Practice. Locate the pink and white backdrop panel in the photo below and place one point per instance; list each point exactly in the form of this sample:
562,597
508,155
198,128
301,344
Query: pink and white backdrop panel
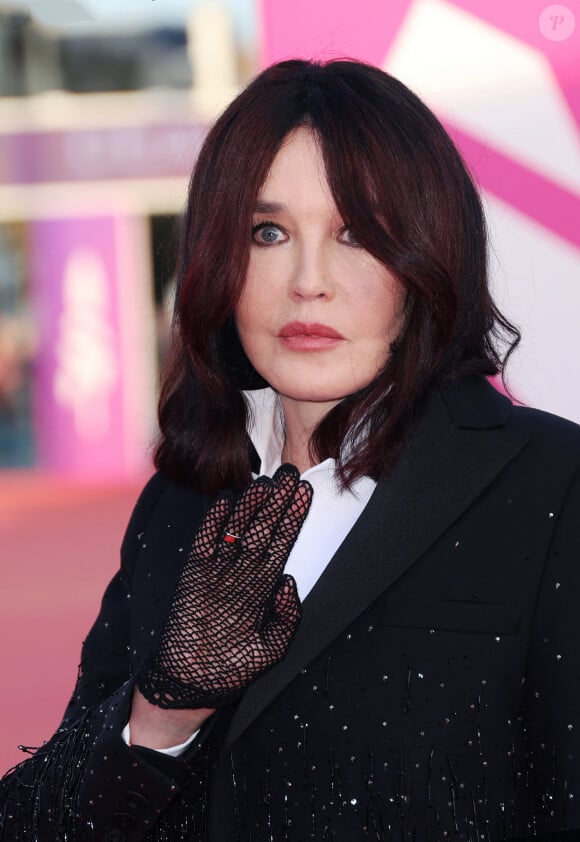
504,78
94,389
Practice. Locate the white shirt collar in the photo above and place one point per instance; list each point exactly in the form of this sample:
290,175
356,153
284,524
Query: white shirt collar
333,511
266,427
266,430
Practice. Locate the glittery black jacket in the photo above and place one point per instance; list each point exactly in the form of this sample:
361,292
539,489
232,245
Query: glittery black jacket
432,691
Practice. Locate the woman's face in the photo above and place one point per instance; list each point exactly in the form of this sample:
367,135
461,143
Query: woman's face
317,312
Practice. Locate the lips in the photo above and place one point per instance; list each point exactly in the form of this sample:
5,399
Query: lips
309,336
309,329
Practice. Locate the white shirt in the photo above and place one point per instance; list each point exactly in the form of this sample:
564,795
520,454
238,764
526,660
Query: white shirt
333,511
332,514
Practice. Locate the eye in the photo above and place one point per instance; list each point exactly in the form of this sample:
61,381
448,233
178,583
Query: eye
347,235
268,234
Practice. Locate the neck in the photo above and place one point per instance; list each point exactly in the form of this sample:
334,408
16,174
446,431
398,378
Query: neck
300,419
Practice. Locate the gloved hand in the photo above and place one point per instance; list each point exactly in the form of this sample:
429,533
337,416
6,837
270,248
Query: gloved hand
233,613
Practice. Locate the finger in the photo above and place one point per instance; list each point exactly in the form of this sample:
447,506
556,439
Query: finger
262,566
286,472
244,510
264,524
283,621
289,527
205,540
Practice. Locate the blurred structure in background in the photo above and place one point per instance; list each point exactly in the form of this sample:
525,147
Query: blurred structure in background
16,352
101,117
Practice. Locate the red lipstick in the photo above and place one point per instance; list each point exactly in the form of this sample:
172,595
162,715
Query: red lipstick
309,336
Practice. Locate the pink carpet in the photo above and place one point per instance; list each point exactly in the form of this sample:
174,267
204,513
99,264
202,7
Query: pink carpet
59,546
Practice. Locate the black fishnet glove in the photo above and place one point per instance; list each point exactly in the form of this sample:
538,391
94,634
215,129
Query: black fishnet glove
234,613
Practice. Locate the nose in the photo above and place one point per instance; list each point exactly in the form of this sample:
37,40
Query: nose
311,276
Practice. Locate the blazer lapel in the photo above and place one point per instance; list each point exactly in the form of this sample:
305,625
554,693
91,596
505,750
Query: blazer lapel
458,447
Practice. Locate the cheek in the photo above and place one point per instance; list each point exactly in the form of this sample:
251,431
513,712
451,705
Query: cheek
377,299
395,316
247,311
254,302
380,317
251,315
394,305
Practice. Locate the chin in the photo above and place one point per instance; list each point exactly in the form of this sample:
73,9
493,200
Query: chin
310,394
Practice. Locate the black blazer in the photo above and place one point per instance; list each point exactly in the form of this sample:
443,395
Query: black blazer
432,691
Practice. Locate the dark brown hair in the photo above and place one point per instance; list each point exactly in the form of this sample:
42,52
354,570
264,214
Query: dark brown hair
399,181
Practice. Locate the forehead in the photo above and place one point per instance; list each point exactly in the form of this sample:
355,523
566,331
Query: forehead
297,171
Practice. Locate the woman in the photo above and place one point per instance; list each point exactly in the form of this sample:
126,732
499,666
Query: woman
376,638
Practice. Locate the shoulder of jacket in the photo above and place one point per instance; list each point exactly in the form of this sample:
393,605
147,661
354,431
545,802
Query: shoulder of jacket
554,440
159,494
544,424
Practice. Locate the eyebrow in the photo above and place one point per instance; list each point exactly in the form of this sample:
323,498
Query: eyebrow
269,207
